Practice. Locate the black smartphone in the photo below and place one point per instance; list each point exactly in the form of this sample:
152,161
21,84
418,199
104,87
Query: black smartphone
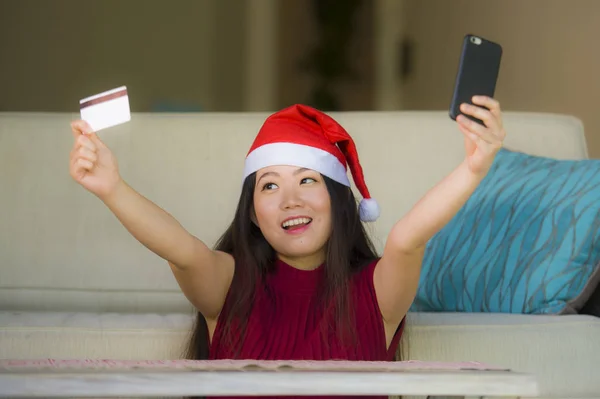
478,70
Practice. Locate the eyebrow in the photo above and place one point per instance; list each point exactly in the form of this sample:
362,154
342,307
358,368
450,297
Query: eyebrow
297,171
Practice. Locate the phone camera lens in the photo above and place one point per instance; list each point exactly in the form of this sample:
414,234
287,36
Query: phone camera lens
475,40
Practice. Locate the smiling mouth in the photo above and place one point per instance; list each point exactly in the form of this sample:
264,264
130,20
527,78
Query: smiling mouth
295,223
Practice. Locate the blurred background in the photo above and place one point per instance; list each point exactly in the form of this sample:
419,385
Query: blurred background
263,55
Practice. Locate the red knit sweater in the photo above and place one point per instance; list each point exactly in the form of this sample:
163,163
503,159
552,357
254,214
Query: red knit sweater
285,321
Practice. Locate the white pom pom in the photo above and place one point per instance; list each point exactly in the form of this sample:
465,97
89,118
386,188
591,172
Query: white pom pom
368,210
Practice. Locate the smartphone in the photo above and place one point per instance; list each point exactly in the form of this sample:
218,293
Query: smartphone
478,69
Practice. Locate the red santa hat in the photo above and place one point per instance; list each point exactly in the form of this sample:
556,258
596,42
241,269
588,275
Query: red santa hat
305,137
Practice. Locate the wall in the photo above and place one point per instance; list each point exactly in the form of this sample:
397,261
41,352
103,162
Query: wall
297,37
196,52
550,63
57,52
388,34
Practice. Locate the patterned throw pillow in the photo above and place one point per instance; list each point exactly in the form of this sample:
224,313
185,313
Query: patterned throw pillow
527,241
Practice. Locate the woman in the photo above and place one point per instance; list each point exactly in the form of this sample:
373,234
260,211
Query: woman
295,275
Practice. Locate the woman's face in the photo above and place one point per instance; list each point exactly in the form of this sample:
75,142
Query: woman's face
293,211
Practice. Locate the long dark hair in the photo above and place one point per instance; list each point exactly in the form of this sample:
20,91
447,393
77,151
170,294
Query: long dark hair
349,249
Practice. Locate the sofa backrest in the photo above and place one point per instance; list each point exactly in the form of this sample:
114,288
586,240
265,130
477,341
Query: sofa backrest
61,249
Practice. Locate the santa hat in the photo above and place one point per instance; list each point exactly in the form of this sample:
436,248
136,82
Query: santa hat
305,137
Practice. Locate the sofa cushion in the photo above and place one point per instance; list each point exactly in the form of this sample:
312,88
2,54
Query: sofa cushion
562,351
527,241
83,335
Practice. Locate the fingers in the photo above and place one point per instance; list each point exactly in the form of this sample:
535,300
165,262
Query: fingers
83,164
82,130
480,113
96,140
80,166
85,141
491,104
492,132
87,154
488,102
80,127
472,136
83,155
475,128
85,149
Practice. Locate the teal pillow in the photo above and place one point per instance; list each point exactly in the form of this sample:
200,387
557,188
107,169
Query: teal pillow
527,241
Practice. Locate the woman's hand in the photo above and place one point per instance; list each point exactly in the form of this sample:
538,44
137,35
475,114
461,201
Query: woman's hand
481,142
92,164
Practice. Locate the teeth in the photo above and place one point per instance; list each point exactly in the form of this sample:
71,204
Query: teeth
295,222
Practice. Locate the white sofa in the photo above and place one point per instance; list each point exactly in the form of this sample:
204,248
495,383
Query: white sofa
75,284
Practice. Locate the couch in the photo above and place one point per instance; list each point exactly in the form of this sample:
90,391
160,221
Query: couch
75,284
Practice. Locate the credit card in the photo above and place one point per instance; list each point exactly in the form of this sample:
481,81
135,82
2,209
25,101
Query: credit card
106,109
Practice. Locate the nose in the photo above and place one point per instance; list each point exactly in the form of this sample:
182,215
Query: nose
291,200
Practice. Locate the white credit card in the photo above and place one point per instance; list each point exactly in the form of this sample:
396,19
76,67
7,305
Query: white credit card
106,109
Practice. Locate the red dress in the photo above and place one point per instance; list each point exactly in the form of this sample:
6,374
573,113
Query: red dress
284,323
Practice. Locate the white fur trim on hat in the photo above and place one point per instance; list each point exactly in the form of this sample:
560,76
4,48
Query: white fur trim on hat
299,155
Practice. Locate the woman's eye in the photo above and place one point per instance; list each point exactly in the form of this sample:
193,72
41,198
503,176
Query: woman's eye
269,186
307,180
